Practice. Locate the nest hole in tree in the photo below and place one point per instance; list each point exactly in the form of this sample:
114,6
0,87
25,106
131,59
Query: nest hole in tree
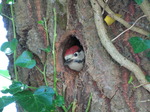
70,41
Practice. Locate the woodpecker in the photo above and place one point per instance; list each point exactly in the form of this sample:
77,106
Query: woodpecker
74,58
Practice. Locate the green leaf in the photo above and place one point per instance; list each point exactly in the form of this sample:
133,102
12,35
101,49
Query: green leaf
25,60
6,48
41,22
139,2
47,50
139,44
39,101
12,45
10,2
42,100
1,110
15,87
147,77
4,73
46,94
6,100
130,80
59,101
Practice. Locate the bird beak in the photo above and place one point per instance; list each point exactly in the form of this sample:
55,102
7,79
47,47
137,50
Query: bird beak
67,61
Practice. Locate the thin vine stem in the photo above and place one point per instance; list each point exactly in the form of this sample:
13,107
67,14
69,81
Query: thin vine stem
45,27
14,35
45,64
53,51
6,16
64,108
13,22
89,102
32,87
43,73
39,69
74,105
6,78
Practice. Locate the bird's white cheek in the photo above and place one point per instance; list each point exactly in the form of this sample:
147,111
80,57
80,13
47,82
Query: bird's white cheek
68,57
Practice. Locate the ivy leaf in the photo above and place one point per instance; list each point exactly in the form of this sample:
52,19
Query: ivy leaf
11,45
47,50
43,92
139,44
59,101
15,87
39,101
4,73
6,100
147,77
25,60
139,2
1,110
6,48
41,22
42,100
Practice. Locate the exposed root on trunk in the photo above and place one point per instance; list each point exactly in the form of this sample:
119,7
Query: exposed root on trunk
111,48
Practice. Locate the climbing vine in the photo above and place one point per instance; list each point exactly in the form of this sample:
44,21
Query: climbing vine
43,98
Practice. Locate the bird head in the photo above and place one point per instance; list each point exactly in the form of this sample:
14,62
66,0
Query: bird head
74,58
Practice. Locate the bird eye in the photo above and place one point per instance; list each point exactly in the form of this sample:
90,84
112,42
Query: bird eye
76,54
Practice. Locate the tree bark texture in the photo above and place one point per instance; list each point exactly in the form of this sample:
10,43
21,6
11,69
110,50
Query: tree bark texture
101,75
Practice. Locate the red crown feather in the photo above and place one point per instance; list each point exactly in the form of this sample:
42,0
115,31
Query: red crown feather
72,50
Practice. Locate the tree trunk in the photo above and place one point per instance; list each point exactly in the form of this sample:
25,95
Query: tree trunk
101,75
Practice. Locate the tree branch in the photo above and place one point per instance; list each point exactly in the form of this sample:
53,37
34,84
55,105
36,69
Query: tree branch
111,48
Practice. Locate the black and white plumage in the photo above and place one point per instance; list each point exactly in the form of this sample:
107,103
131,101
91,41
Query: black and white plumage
74,58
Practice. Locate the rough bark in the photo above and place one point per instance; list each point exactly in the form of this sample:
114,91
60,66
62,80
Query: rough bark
101,75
